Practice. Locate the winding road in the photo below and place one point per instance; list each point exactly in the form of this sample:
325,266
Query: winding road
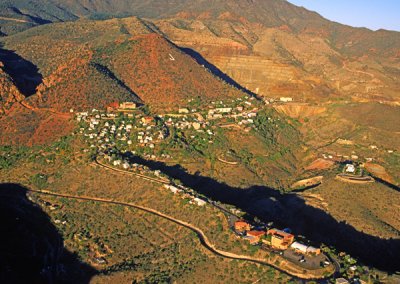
201,235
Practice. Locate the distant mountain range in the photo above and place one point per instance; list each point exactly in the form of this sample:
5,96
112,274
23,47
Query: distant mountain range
302,48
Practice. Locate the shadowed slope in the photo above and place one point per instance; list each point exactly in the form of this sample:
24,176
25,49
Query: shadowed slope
289,210
93,63
31,249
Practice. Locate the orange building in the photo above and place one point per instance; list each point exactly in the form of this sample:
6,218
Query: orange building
255,236
148,120
242,226
279,239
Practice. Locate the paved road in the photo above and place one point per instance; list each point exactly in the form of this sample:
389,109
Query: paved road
201,235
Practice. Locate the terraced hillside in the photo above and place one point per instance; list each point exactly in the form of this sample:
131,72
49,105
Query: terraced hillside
280,61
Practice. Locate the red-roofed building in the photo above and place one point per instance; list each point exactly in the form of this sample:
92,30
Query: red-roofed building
255,236
148,120
112,106
242,226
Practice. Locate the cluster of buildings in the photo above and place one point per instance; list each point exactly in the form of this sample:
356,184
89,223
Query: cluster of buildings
125,127
124,163
239,112
273,238
187,193
242,110
126,130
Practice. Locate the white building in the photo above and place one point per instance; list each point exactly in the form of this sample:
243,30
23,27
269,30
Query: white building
286,99
349,168
299,247
199,201
183,110
304,249
223,109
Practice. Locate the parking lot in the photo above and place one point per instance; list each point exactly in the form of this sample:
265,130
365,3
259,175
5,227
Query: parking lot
310,262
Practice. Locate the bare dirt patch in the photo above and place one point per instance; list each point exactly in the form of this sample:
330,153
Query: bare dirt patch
379,172
320,164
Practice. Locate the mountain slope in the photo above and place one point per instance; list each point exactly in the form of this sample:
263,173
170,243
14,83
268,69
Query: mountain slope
93,59
9,94
271,47
281,62
269,13
90,64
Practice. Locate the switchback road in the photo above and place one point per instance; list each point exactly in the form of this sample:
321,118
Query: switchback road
297,273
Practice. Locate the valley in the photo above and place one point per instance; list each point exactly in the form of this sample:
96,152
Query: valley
177,141
110,136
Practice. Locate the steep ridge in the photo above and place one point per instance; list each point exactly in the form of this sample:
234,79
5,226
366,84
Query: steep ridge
93,63
294,52
9,94
90,64
269,13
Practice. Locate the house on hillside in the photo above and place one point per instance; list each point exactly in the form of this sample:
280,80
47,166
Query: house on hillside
112,106
148,120
242,226
279,239
127,105
199,202
126,165
350,168
223,110
255,236
286,99
183,110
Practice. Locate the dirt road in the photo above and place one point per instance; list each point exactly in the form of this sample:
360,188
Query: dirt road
201,235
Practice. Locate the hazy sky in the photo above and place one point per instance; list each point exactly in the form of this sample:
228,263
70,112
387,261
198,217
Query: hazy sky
373,14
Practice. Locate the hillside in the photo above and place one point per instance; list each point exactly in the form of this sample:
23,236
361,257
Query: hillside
249,109
91,64
278,61
9,94
270,13
94,63
272,47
